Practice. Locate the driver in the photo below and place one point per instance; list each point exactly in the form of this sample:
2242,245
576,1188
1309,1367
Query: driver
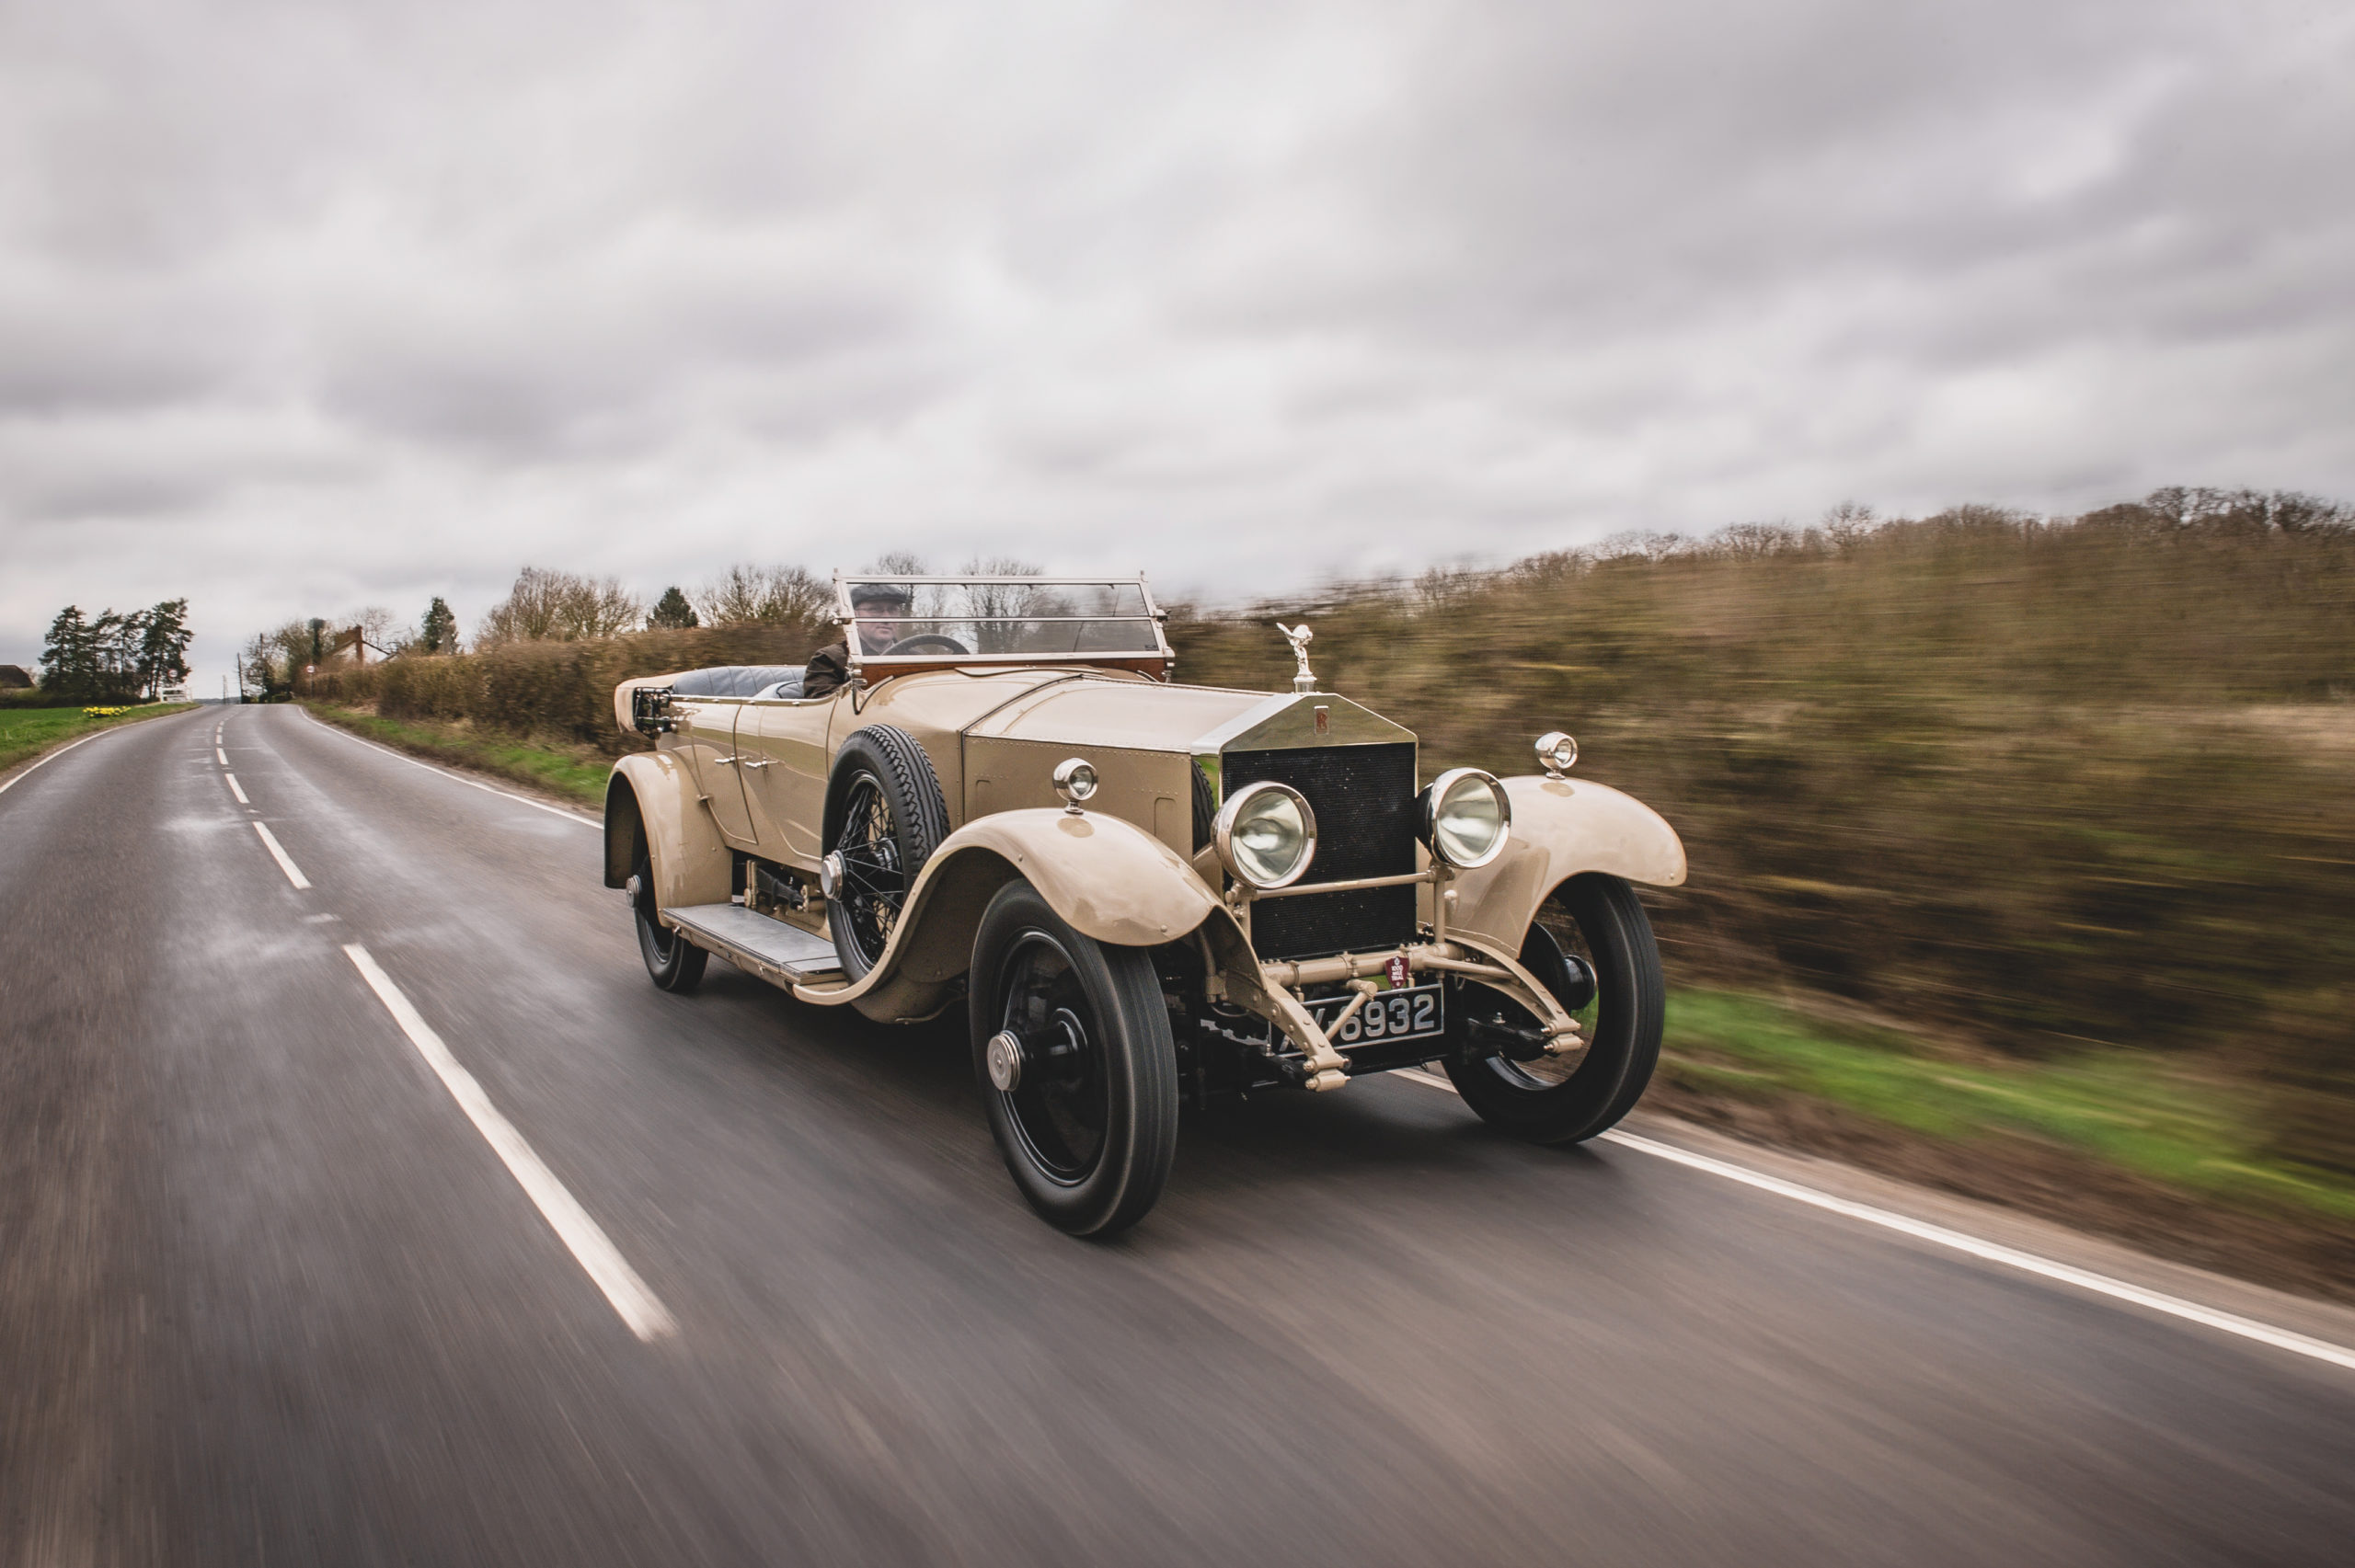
877,606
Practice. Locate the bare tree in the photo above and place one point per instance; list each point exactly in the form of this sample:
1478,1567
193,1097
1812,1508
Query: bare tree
998,609
923,603
747,595
551,606
380,630
273,661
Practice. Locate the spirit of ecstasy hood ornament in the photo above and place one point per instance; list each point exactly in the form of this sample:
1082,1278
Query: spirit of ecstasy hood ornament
1298,637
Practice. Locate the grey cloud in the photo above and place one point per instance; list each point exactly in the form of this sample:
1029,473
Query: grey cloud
303,307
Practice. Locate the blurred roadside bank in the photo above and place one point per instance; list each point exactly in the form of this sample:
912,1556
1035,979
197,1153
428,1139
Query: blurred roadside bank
2021,847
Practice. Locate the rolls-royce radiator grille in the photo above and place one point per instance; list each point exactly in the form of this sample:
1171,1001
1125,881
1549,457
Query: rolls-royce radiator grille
1365,801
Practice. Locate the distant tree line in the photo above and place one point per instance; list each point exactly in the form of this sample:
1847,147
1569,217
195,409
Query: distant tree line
546,605
132,656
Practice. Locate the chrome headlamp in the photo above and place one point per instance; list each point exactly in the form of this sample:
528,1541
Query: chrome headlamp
1075,781
1555,753
1266,835
1465,818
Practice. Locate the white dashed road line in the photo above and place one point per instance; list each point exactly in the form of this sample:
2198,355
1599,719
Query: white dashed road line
638,1307
235,790
461,778
220,756
285,861
1990,1252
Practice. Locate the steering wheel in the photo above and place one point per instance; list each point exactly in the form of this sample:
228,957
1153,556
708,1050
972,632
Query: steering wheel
925,642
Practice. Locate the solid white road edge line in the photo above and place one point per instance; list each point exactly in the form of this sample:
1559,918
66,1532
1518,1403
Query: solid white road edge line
235,791
1990,1252
644,1315
285,861
461,778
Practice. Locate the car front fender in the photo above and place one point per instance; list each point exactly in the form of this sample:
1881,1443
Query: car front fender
1560,828
1109,879
652,798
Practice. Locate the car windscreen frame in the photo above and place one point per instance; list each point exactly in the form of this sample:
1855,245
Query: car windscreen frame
1148,651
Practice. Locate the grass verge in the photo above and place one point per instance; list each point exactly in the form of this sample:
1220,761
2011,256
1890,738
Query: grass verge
2135,1144
26,733
575,772
2132,1143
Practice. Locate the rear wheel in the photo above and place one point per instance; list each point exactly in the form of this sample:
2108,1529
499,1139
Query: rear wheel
1072,1049
675,962
1592,946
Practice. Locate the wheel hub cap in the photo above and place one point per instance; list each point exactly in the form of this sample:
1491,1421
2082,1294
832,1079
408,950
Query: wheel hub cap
1003,1054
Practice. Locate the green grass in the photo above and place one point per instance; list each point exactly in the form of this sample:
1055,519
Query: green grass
26,733
2136,1111
576,774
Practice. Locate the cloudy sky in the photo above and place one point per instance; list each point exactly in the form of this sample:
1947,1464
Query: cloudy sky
305,306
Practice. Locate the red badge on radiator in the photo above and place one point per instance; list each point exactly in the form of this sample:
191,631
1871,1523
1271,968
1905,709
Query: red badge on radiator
1398,971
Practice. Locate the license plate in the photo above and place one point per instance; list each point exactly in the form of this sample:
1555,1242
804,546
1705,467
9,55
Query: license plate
1412,1013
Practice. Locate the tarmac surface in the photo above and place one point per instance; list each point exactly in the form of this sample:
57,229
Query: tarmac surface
276,1288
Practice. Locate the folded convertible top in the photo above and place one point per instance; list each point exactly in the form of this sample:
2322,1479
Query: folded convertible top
739,680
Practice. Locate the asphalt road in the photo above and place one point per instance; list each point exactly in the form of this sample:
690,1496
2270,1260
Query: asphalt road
269,1294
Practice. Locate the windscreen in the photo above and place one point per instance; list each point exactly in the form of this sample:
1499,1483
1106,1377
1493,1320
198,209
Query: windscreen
1042,620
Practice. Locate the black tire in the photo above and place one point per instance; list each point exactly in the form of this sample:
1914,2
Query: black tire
1599,922
675,962
1090,1128
884,817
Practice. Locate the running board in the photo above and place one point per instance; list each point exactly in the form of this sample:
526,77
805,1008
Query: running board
756,944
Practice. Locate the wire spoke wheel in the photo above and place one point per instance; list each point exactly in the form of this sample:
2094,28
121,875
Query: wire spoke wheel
873,887
1593,948
884,817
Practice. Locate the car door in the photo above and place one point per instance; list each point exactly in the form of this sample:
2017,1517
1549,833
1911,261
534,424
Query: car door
783,744
705,728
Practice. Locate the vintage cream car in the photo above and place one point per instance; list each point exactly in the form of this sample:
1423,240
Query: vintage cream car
1143,893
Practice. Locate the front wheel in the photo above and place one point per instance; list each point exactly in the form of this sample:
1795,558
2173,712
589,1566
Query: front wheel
1072,1049
1593,948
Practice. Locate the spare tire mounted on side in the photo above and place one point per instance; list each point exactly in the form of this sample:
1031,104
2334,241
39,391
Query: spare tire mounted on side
884,817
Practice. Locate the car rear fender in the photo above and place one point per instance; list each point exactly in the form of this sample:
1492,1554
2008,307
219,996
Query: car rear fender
652,799
1109,879
1560,828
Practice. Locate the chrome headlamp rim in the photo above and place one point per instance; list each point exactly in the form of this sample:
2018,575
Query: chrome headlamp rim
1558,753
1076,780
1222,834
1427,807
